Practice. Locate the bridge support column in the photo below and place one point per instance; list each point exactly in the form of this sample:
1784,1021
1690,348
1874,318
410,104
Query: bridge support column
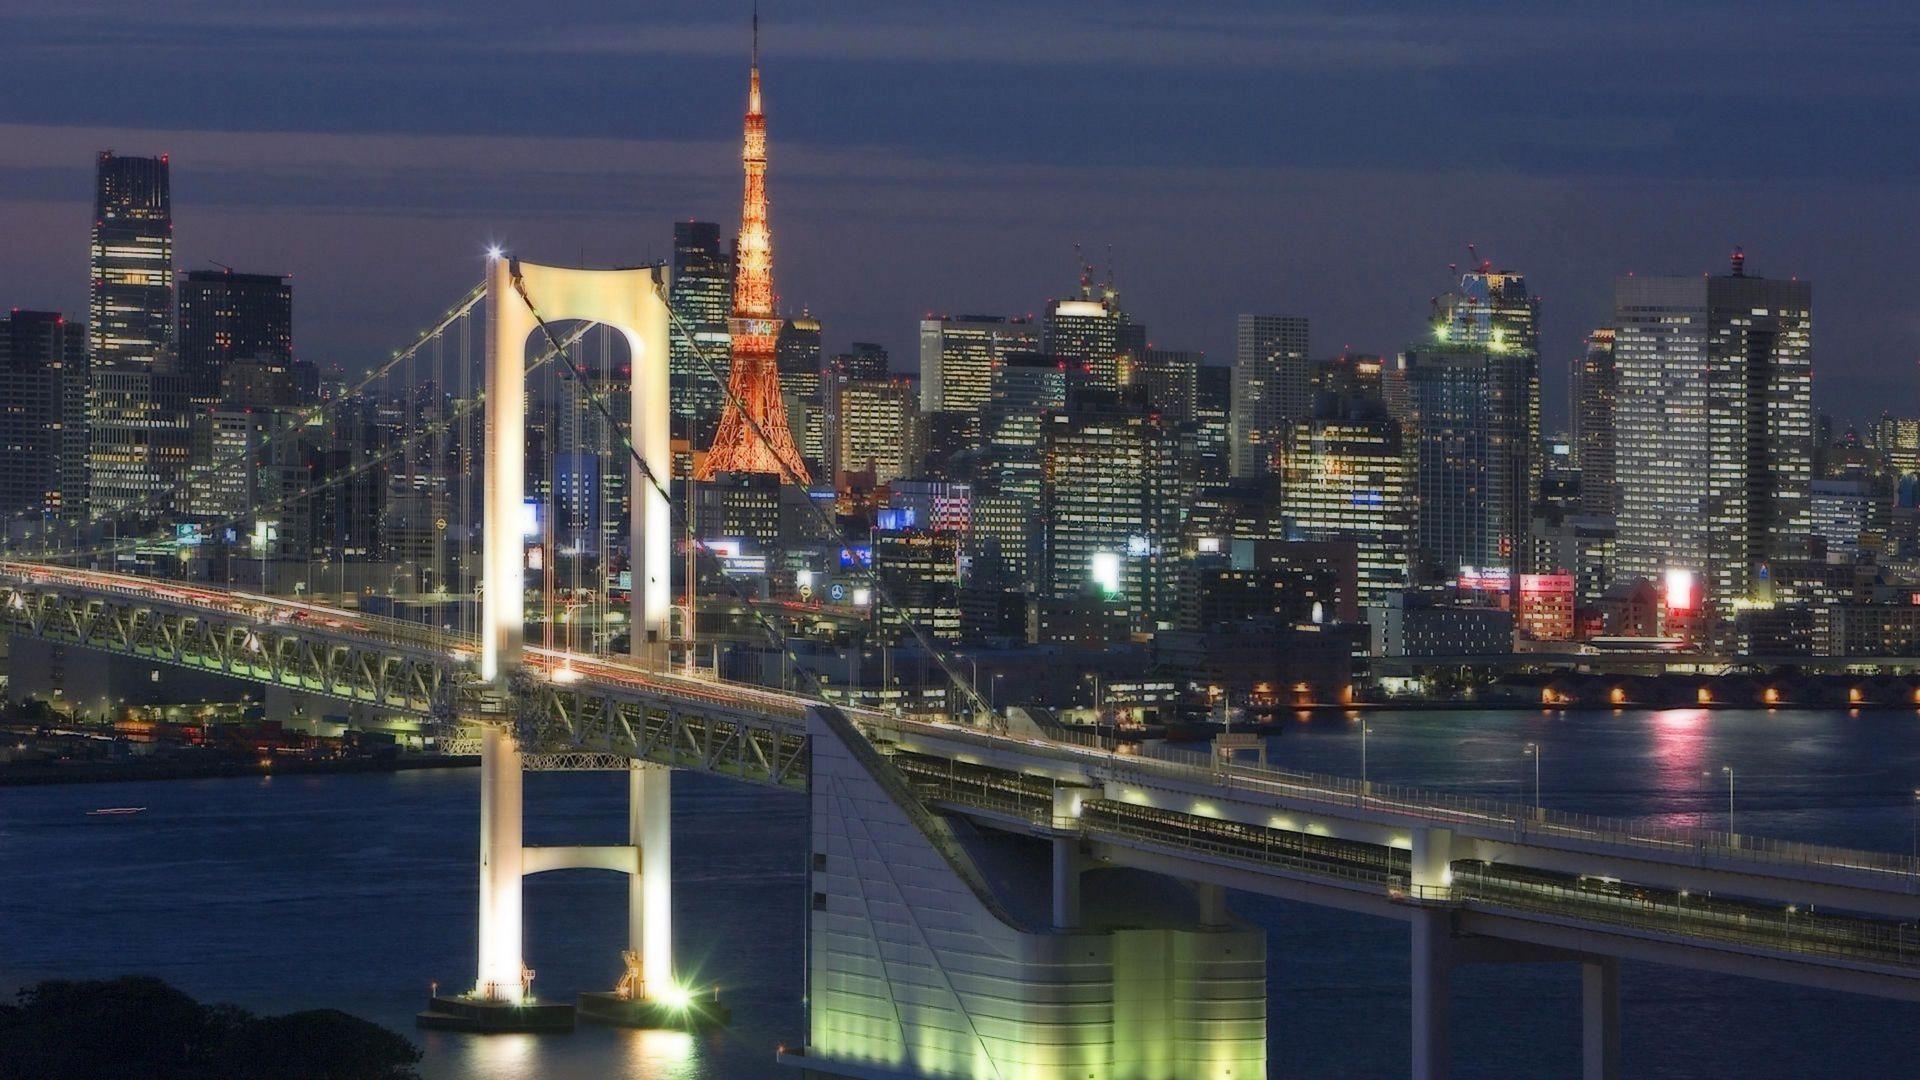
1432,868
1432,933
1066,882
1600,1019
501,865
1213,904
650,892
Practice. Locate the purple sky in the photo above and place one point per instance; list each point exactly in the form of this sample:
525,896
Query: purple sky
1319,159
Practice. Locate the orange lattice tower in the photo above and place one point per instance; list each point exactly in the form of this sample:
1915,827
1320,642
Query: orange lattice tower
753,435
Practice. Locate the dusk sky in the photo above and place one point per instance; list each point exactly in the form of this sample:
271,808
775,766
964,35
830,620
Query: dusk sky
1324,160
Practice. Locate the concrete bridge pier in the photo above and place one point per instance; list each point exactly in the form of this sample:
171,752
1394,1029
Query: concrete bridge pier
501,965
1600,1018
650,892
1432,963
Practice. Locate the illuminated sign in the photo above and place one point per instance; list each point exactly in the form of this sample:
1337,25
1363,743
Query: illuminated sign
1106,572
856,556
893,519
1680,595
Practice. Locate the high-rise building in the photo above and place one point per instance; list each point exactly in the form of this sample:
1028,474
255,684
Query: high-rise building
863,360
226,317
1271,388
958,354
876,427
1172,380
1110,502
136,422
1593,388
1026,386
920,569
700,349
1713,431
1091,333
131,307
1347,475
1212,454
1472,408
754,435
798,355
43,416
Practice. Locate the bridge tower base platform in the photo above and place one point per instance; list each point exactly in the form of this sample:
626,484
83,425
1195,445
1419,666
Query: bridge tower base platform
929,956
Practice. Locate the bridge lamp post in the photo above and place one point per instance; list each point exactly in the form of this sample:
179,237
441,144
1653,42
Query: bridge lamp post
1916,826
1728,769
993,695
1533,751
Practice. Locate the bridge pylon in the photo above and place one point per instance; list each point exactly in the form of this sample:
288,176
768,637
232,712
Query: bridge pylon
629,302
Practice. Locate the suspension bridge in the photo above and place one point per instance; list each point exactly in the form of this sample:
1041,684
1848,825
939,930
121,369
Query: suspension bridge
934,948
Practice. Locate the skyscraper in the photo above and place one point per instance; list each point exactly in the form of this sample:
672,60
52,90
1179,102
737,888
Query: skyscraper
137,429
876,427
1713,430
226,317
1091,333
754,436
131,305
1110,502
43,416
958,354
1594,387
1271,388
1171,378
701,298
1473,400
1347,475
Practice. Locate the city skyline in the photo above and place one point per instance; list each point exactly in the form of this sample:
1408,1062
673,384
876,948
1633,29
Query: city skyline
1572,185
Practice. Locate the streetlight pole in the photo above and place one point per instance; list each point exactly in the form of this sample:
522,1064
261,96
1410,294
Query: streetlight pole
1364,728
1533,751
1728,769
1916,827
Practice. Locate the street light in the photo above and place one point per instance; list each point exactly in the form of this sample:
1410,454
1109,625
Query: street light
1365,728
1916,827
1533,751
1728,769
993,690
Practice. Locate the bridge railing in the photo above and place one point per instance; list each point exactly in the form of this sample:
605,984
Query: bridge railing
1787,929
1509,820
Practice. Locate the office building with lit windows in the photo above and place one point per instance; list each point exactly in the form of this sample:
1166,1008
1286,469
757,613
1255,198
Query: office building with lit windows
43,416
1594,386
1713,430
1110,500
1272,389
226,317
136,420
700,348
1091,332
1471,401
1347,476
958,354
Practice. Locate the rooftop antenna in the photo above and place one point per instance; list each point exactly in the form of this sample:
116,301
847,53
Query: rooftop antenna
1086,272
1739,261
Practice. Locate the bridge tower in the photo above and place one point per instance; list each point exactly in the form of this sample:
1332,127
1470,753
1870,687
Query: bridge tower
630,302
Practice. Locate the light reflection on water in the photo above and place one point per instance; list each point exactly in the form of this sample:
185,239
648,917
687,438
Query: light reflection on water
354,891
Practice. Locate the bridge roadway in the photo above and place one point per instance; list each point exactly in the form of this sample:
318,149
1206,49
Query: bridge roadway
1567,884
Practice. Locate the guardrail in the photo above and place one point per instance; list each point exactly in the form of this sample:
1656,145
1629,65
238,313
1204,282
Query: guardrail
1502,820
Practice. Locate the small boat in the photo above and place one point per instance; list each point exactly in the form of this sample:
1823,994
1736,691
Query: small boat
116,811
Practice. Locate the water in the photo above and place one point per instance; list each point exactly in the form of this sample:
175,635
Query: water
353,891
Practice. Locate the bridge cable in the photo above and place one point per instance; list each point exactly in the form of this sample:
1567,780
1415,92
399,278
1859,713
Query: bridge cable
981,706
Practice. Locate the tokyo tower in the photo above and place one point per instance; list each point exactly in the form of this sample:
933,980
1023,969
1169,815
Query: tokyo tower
754,436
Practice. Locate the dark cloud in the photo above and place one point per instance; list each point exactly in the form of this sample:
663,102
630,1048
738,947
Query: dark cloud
1322,159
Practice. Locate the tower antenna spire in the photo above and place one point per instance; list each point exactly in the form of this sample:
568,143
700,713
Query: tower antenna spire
754,436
